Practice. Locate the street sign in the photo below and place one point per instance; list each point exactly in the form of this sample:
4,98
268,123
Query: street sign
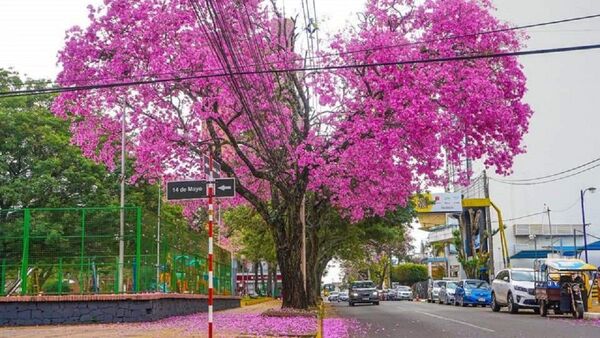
225,187
186,190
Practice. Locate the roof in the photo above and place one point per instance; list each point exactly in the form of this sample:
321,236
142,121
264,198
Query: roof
530,254
567,250
563,264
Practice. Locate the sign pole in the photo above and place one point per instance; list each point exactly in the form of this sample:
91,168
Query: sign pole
211,188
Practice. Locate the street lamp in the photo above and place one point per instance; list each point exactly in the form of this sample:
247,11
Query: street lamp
591,190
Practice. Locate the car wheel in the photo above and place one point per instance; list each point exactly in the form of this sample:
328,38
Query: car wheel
375,303
536,310
494,305
512,306
543,308
351,304
578,311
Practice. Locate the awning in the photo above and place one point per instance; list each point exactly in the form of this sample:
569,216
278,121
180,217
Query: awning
565,250
435,260
530,254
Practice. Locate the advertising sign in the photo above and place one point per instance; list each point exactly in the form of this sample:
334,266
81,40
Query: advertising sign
442,202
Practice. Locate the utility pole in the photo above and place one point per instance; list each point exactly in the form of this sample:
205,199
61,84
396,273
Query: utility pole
158,239
550,228
488,220
122,204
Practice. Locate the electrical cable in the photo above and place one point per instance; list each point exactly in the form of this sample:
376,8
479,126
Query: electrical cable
547,181
401,45
552,175
53,90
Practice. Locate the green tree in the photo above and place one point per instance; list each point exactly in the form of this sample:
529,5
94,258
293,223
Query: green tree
409,273
250,232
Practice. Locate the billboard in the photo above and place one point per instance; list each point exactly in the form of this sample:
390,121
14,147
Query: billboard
438,203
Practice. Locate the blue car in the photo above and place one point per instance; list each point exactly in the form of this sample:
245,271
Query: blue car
474,292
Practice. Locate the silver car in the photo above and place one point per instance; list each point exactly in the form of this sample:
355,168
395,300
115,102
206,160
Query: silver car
433,290
404,293
446,293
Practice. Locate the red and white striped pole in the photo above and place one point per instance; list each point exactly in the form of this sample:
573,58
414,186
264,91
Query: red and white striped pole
211,192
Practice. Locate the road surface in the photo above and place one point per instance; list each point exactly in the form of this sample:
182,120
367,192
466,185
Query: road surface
418,319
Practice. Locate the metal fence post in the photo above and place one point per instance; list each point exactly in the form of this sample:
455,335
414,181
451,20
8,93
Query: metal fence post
138,248
81,286
60,276
116,288
25,258
3,278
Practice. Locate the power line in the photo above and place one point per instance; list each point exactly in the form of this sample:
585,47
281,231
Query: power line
552,175
299,69
353,51
540,213
547,181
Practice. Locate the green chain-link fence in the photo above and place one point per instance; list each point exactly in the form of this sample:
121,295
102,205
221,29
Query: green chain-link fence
76,251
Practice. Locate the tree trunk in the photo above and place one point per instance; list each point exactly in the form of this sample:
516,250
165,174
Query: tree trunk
269,280
256,278
289,251
262,279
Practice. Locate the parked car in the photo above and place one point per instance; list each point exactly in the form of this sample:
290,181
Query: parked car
473,292
363,292
446,293
515,289
333,296
343,296
403,292
433,290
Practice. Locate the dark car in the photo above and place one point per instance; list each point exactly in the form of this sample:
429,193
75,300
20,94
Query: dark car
363,292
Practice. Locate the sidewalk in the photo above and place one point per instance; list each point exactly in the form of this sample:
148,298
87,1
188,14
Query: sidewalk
240,322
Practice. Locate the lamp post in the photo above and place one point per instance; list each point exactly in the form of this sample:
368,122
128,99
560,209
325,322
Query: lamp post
592,190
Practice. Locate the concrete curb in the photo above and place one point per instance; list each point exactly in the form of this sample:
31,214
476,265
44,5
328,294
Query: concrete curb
591,315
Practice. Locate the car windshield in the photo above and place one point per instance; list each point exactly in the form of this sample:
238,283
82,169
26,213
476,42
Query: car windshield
476,284
363,285
450,285
437,284
522,276
404,288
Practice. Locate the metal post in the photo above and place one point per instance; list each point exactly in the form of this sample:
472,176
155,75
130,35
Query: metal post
122,204
584,227
488,217
211,191
575,254
303,220
158,240
25,258
138,248
550,228
60,276
3,278
81,251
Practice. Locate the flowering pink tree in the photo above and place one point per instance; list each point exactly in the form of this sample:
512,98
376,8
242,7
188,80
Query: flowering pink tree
379,134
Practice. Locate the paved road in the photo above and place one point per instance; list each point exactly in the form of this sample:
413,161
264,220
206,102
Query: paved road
417,319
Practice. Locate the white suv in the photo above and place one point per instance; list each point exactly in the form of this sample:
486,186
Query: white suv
515,289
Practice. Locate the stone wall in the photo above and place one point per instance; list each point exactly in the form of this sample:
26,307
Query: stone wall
40,310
